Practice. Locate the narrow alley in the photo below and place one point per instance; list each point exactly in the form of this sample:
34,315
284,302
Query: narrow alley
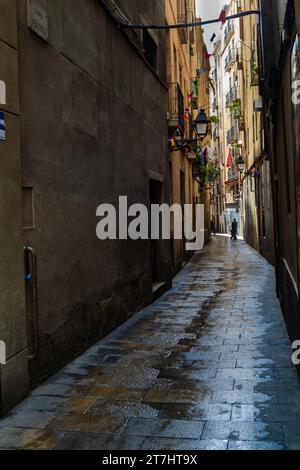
207,366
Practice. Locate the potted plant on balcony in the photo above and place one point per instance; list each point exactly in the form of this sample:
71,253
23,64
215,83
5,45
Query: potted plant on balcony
235,109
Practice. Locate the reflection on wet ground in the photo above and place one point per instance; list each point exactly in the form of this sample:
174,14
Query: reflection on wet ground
207,366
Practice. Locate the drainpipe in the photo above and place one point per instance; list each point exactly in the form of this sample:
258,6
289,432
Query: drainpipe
31,276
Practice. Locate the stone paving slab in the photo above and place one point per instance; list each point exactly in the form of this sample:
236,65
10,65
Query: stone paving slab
205,367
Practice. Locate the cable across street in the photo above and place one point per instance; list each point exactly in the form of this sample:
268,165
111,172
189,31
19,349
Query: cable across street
127,25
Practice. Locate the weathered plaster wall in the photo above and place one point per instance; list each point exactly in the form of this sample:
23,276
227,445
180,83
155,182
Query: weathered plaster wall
14,374
93,126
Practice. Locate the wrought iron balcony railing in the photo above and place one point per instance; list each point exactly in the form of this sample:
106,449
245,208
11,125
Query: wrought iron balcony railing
231,96
232,173
228,33
230,59
175,104
233,135
182,17
216,133
254,69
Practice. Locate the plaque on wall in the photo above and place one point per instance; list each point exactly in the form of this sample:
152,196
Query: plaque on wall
38,18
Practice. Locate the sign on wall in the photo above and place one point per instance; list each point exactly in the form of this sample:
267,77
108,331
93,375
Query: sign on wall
38,19
2,126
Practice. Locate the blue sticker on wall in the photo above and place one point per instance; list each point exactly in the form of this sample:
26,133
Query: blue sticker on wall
2,126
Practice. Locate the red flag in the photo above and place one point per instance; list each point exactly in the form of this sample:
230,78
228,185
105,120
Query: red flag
222,16
229,159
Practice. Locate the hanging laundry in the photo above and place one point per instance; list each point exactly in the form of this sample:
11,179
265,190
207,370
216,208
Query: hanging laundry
229,159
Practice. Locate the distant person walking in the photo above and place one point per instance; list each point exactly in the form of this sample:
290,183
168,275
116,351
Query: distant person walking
213,227
234,229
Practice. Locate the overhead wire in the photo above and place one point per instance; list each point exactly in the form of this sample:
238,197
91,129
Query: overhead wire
113,9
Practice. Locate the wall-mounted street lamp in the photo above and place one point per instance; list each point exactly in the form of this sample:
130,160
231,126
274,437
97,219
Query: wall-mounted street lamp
241,163
201,124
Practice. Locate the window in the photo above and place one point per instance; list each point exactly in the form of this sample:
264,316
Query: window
150,49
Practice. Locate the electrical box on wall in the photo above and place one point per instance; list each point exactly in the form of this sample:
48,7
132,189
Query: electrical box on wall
38,18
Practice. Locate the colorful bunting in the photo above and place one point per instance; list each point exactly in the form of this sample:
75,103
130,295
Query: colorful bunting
183,119
222,16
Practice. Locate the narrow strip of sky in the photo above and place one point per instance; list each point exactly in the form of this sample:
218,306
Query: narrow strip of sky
206,10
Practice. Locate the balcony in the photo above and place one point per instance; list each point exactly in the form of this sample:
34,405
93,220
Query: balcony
232,174
175,104
228,33
231,96
254,71
233,135
240,59
215,104
195,88
215,133
230,59
191,30
182,17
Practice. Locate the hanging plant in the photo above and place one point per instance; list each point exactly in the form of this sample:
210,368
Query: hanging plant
215,119
235,109
213,171
255,66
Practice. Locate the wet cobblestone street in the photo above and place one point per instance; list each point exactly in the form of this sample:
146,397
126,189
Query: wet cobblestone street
207,366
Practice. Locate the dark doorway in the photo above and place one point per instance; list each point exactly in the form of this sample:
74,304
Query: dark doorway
182,202
155,198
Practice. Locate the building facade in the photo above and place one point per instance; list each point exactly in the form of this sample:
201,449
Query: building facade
91,127
257,206
226,106
217,142
279,72
187,86
239,130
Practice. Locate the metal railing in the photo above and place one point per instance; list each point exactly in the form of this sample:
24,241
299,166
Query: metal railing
182,11
182,17
231,96
254,69
175,102
229,30
215,104
232,135
215,133
230,59
232,173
